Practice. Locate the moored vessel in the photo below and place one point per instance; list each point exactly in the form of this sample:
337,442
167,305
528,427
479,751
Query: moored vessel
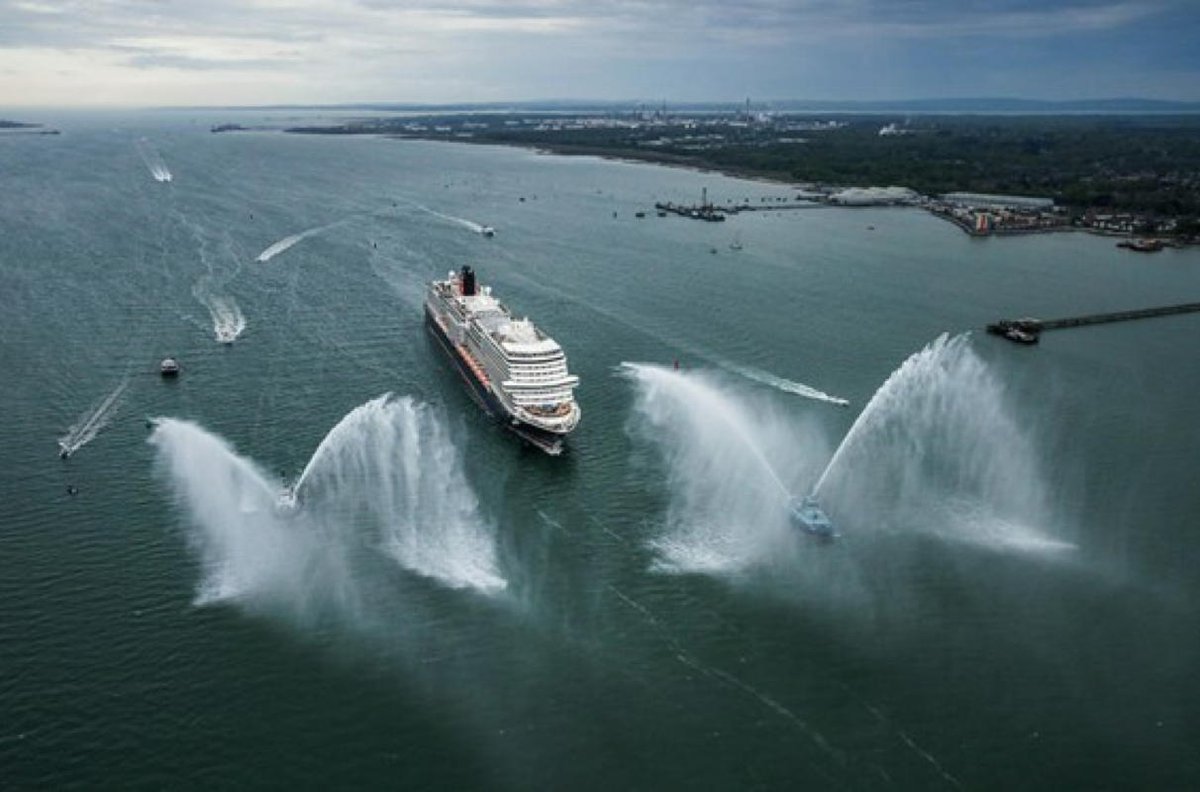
513,369
1142,245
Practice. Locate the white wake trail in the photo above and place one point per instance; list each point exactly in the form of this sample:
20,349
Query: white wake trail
154,161
692,351
478,228
98,416
228,320
785,385
278,247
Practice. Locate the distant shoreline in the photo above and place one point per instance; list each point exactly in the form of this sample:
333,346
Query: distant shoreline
638,157
998,223
8,128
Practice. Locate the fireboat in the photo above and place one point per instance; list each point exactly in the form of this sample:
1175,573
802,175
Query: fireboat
806,515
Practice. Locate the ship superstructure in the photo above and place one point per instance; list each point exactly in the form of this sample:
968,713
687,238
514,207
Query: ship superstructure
513,369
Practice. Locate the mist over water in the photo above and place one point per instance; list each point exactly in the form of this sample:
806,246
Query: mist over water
939,449
385,483
391,463
247,549
732,462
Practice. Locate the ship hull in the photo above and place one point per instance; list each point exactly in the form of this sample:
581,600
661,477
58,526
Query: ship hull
549,442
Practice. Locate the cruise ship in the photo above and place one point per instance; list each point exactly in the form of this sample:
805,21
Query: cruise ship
516,372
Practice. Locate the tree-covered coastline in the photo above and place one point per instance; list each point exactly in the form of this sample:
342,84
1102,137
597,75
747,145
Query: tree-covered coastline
1148,164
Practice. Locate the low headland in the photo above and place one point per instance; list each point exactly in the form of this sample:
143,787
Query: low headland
8,127
1127,175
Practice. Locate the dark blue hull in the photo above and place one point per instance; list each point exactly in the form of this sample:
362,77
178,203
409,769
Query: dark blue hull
547,441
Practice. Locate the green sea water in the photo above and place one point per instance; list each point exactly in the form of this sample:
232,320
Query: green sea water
1012,603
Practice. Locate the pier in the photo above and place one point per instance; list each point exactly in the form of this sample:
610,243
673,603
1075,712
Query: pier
715,213
703,211
1026,331
718,212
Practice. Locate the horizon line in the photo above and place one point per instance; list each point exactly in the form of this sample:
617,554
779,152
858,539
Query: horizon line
824,105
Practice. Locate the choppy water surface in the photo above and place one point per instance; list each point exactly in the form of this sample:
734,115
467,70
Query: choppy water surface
312,559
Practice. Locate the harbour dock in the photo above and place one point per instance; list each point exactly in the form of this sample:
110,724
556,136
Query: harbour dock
715,212
703,211
718,212
1026,330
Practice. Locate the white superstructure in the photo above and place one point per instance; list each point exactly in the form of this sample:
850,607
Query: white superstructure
514,363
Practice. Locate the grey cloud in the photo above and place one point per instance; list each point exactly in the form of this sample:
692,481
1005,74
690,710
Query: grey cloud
197,64
480,49
80,24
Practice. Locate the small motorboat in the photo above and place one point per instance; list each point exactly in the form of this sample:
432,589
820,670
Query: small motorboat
805,514
488,231
169,367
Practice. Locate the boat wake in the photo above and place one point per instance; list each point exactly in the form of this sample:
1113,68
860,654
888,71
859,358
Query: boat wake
98,416
693,351
228,320
385,484
938,450
785,385
154,161
478,228
731,463
287,242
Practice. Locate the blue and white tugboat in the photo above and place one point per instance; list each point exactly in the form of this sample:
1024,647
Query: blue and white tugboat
516,372
806,515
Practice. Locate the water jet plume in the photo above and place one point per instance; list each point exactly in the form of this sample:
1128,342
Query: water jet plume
732,463
939,449
385,484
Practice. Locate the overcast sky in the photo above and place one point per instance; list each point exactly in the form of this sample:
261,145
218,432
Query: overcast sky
189,52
